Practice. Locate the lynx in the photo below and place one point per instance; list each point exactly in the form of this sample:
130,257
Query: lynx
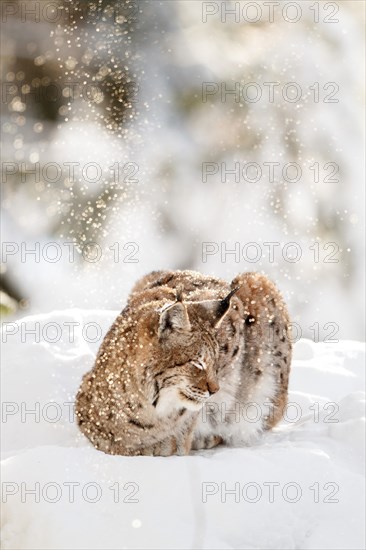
191,362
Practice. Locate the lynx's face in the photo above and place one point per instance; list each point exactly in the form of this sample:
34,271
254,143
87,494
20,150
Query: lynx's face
189,348
190,377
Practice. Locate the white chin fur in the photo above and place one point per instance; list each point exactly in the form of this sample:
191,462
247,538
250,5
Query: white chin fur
170,399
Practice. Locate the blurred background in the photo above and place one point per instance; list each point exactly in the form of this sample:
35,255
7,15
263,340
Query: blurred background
216,136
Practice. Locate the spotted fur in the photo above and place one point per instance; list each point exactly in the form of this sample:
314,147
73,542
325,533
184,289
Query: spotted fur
185,362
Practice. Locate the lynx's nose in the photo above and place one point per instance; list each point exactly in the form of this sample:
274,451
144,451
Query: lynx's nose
212,387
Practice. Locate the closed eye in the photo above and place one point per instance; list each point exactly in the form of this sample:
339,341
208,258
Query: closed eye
198,364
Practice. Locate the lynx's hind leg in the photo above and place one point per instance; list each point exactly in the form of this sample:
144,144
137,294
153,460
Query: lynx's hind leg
267,334
206,442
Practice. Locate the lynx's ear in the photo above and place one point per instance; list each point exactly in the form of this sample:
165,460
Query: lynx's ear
174,317
214,310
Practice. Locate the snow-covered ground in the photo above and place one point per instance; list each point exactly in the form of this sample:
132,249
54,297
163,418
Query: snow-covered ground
301,486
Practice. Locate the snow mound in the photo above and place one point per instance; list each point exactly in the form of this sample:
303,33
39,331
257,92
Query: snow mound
300,486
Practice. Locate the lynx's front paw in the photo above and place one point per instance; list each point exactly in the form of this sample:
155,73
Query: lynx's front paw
167,447
206,442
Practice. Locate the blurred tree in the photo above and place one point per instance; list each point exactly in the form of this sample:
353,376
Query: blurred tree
71,61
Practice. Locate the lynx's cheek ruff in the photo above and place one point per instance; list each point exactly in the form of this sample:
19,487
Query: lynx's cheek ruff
192,400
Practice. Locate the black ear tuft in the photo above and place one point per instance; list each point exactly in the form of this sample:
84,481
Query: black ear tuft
225,303
214,310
